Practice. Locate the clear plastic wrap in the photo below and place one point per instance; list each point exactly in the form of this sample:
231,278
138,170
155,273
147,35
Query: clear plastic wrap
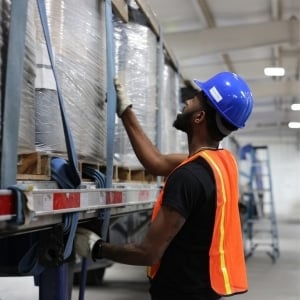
27,108
171,138
77,30
26,139
136,64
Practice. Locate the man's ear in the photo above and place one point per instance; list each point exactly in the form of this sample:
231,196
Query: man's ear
200,116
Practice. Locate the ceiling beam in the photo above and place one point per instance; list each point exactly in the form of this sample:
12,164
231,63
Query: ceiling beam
121,9
222,39
210,20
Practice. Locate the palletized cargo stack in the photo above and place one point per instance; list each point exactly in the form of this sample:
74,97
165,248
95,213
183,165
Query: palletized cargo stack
136,66
77,31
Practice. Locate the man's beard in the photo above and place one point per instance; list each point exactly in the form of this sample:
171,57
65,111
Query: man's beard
183,121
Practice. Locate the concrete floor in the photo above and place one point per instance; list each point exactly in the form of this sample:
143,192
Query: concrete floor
267,281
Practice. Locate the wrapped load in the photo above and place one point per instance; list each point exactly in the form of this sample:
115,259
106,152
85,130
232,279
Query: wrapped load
26,138
77,30
171,138
136,65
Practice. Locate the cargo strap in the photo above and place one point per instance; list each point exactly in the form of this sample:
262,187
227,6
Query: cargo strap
104,215
72,156
64,173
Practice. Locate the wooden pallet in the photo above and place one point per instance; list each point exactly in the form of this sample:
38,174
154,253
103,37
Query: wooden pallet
34,166
128,174
37,166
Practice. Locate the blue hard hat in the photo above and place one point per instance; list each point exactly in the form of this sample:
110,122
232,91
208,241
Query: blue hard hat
230,95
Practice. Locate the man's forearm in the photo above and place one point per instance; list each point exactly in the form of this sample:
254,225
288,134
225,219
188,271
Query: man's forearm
132,254
143,147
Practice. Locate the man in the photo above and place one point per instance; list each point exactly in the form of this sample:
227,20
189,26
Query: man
194,243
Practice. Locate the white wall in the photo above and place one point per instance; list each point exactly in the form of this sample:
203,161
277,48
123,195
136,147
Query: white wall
285,168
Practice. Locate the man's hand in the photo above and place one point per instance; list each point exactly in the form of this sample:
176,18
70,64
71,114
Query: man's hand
84,242
122,101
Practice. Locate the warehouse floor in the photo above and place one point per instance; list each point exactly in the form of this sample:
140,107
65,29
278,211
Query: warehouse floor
267,281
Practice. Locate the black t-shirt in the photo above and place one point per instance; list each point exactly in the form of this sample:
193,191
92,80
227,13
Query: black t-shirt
184,268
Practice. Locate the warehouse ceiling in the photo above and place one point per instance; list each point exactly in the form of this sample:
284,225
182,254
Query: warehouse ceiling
209,36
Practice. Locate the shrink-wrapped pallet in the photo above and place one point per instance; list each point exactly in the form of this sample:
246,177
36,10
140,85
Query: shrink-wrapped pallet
171,138
77,30
26,138
136,65
27,112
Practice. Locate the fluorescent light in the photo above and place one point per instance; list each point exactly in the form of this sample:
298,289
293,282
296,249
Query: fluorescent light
295,106
294,124
274,71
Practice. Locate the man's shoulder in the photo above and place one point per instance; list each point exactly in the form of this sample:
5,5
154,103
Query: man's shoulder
197,168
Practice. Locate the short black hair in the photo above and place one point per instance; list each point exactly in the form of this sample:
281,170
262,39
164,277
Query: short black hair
211,115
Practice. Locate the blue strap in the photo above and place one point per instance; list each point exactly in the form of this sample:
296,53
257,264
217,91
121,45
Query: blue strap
65,174
111,93
29,264
17,191
72,156
100,180
10,110
104,215
71,221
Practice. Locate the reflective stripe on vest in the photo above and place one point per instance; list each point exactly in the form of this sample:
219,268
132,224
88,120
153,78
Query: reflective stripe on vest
226,255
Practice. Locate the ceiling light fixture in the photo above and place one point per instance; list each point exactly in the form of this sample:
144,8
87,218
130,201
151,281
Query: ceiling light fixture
274,71
294,124
295,106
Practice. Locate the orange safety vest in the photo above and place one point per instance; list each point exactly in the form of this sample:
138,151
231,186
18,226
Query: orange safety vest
227,265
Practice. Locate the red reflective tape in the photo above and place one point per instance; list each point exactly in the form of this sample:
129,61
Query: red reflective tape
114,197
66,200
7,205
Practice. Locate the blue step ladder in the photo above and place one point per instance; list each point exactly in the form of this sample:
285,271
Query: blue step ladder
260,222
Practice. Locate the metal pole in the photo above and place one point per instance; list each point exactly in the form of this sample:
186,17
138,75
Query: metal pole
13,93
160,80
111,93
